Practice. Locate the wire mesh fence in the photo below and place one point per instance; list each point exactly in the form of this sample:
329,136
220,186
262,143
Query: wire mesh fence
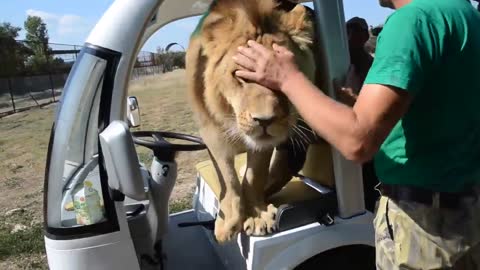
20,93
148,63
33,75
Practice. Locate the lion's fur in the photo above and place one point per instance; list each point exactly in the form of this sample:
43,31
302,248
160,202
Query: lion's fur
226,107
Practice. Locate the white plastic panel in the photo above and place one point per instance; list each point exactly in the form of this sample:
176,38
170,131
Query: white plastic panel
123,167
111,251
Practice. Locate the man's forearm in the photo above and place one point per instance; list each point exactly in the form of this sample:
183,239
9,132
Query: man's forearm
333,121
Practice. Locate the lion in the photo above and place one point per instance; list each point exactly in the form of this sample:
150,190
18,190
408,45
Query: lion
236,116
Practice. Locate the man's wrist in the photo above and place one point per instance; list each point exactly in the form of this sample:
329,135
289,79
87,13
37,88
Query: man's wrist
291,81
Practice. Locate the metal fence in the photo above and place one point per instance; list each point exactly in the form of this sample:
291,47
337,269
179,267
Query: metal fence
24,85
36,75
147,64
21,93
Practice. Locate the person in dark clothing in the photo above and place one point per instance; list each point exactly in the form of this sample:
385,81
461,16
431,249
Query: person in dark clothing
358,35
360,59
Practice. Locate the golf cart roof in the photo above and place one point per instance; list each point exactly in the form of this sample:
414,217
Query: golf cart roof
164,12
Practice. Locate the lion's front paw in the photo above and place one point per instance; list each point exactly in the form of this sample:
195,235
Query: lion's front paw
222,234
262,223
229,222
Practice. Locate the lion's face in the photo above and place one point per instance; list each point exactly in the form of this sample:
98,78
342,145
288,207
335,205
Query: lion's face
262,118
244,111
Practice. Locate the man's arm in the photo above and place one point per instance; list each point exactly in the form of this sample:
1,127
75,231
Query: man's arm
356,132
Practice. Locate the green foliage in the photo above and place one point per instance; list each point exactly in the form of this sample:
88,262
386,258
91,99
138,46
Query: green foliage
33,56
178,59
37,40
37,32
9,31
180,205
12,54
26,242
170,59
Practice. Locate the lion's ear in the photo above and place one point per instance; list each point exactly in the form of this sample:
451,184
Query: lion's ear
298,25
212,19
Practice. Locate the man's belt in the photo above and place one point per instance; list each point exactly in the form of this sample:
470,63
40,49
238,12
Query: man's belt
415,194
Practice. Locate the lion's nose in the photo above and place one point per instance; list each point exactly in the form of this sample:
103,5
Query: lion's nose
264,121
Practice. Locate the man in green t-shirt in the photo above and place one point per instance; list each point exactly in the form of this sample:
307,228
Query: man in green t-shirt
417,115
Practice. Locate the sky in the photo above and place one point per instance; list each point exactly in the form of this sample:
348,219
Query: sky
70,21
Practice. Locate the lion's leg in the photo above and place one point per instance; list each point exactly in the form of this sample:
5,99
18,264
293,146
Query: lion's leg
279,174
261,217
230,217
289,158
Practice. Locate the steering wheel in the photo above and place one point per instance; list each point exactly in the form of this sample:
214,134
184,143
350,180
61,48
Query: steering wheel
161,146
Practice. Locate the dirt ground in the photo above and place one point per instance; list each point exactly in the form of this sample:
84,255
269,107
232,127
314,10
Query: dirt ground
23,149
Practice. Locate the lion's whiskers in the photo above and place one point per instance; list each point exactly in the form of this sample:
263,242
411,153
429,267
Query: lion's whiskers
232,135
301,140
301,134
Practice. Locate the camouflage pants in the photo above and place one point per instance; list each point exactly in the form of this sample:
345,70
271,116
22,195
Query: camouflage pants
411,235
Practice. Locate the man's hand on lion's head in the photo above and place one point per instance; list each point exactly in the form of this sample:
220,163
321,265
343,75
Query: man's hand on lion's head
268,68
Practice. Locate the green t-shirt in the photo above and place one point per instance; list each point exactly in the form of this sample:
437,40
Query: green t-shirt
431,48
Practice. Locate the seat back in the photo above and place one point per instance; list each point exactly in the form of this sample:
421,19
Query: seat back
319,164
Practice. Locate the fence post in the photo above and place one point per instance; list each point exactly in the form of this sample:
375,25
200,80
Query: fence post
75,50
51,84
47,57
11,93
30,93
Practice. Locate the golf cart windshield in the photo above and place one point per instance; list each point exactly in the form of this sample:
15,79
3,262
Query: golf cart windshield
74,174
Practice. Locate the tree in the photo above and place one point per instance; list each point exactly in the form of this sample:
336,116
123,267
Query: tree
169,60
9,31
12,54
37,40
178,59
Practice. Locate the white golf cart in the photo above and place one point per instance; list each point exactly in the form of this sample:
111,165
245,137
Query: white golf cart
93,167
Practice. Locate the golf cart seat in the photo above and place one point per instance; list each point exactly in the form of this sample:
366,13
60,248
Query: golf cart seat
307,198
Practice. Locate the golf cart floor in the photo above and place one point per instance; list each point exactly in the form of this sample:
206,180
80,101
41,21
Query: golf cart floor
188,247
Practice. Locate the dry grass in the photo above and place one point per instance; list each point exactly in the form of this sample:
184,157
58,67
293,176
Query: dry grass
23,148
163,106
